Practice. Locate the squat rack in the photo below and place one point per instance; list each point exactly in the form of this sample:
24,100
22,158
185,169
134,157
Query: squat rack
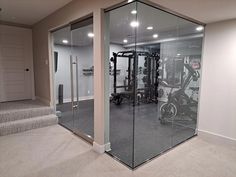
131,88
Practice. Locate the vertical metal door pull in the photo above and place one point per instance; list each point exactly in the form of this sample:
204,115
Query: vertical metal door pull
72,83
77,83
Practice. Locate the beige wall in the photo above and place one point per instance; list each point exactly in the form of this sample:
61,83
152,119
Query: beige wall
218,89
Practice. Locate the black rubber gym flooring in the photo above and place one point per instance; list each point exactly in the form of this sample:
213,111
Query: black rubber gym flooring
150,136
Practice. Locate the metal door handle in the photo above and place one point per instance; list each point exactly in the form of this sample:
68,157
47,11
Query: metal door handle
72,82
77,82
74,103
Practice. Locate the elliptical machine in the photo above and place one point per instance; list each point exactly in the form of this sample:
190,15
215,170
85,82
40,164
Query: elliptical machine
179,103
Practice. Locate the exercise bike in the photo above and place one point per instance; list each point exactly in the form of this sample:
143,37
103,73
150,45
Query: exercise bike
179,103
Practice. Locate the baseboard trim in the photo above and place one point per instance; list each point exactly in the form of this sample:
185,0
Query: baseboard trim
45,101
101,148
216,138
107,147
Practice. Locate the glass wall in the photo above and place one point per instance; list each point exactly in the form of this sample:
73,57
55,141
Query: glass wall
155,62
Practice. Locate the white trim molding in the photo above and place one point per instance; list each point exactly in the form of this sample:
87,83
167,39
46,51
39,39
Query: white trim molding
101,148
45,101
216,138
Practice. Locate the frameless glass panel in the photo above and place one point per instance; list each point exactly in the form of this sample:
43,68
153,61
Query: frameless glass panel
188,49
62,54
154,81
121,24
82,52
151,136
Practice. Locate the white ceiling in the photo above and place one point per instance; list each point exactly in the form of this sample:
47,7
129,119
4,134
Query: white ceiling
164,24
206,11
31,11
77,37
28,12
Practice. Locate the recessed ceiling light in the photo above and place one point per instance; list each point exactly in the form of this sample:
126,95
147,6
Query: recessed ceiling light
64,41
134,24
125,41
134,12
150,28
91,35
178,54
155,35
199,28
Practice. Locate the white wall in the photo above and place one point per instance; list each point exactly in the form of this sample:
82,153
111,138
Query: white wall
85,57
183,47
218,89
62,76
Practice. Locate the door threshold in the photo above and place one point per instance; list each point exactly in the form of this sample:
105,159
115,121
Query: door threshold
85,137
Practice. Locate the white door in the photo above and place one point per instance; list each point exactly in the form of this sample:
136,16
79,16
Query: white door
15,63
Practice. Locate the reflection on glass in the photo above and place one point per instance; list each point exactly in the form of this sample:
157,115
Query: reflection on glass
121,64
62,49
73,46
155,62
82,49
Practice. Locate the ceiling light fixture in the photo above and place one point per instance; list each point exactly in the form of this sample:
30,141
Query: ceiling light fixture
150,28
134,24
155,36
199,28
178,54
64,41
134,12
125,41
91,35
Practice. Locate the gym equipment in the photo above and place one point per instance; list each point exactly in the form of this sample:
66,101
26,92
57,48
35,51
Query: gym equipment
131,91
179,103
172,70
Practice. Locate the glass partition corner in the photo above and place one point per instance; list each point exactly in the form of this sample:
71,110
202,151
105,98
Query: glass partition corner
154,79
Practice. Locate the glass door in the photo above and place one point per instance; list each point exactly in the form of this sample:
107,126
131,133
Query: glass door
73,65
63,77
82,68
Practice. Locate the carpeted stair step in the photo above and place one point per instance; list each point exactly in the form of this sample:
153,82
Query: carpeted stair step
13,115
17,126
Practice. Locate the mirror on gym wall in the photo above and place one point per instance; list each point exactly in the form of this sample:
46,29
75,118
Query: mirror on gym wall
154,77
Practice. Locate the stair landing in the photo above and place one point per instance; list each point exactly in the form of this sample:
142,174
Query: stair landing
18,105
19,116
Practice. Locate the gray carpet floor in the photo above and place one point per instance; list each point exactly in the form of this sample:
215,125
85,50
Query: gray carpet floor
136,133
19,105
